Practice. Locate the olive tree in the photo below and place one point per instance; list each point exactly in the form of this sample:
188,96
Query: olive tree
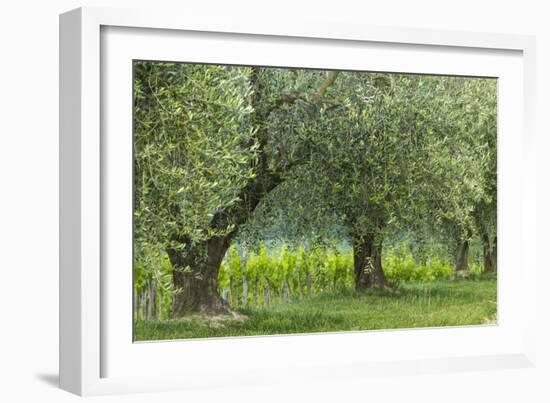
466,204
204,159
395,150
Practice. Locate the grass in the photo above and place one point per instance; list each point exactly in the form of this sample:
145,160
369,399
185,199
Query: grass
435,304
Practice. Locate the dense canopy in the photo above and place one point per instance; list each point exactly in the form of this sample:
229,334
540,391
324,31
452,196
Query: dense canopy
230,156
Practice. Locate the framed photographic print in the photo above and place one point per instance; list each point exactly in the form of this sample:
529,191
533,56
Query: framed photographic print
243,201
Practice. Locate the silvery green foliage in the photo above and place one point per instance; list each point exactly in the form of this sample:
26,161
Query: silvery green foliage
193,147
375,152
383,151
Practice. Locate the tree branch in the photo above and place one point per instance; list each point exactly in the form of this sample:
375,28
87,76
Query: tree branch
331,77
284,99
292,98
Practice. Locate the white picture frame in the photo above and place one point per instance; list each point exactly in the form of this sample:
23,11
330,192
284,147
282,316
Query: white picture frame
96,356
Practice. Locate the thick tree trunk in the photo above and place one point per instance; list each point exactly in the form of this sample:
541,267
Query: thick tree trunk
367,262
196,277
461,263
489,254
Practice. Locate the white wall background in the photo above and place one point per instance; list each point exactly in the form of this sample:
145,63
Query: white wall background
29,198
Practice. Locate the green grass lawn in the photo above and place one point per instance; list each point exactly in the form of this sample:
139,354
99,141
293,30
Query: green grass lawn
440,303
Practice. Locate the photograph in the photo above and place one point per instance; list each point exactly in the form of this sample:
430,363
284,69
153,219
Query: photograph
273,200
228,201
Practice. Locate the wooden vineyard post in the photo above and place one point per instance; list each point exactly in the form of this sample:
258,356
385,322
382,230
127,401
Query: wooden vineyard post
136,301
267,295
245,292
152,298
300,295
225,295
144,303
286,291
230,297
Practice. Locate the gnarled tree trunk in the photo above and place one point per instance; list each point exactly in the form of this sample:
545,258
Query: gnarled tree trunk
489,254
461,263
196,267
367,262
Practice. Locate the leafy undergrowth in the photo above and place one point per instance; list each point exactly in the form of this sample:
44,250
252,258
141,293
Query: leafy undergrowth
439,303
